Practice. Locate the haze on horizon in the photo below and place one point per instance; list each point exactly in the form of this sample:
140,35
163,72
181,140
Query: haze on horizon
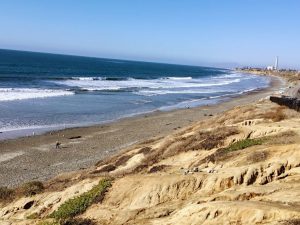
212,33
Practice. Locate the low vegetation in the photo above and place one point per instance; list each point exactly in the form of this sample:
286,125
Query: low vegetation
202,140
276,115
173,146
144,150
284,138
6,194
122,160
291,222
222,153
208,139
106,169
243,144
27,189
46,222
78,221
32,188
73,221
158,168
33,216
79,204
257,156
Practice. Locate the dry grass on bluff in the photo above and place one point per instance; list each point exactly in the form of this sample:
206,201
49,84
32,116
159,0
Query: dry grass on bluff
31,188
273,112
284,138
6,194
291,222
169,146
27,189
276,115
224,153
205,140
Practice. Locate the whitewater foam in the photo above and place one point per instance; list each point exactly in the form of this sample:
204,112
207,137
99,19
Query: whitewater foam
178,78
183,91
11,94
86,78
169,83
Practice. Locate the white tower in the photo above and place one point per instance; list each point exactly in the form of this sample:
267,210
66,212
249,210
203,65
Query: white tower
276,63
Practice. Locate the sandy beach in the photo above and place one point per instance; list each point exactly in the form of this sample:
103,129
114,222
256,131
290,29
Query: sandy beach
35,158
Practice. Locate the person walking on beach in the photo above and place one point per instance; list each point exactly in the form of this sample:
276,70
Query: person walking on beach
57,145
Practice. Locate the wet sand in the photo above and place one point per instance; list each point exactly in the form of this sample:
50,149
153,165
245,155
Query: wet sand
35,158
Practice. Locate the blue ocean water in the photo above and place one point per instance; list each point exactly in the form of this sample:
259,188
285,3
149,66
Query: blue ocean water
49,91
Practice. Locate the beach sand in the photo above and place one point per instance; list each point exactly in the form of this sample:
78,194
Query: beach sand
35,158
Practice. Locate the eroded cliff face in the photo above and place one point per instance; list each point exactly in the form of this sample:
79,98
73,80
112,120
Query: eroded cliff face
194,176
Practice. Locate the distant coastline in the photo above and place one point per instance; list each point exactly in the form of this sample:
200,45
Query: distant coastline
290,74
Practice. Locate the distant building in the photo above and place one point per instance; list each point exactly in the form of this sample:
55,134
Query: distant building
275,67
276,63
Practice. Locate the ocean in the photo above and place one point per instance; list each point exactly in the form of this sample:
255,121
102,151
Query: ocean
42,92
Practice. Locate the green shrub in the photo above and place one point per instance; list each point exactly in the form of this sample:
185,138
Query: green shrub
243,144
79,204
32,188
33,216
46,222
6,194
76,221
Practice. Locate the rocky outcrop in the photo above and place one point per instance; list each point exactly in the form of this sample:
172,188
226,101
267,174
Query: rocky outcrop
292,103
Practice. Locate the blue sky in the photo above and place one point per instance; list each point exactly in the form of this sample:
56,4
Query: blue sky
198,32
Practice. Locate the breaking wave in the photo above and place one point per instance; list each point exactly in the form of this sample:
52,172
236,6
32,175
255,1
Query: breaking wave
159,86
11,94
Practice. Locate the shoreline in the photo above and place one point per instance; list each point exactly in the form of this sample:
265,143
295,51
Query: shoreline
35,158
27,132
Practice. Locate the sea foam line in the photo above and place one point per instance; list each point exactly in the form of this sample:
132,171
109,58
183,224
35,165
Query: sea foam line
91,84
11,94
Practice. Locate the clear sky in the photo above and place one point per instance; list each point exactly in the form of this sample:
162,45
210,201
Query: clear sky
201,32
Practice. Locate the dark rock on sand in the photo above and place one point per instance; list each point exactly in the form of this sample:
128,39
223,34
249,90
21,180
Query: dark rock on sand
292,103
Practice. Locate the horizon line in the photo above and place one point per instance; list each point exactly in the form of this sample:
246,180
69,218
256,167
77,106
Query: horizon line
99,57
